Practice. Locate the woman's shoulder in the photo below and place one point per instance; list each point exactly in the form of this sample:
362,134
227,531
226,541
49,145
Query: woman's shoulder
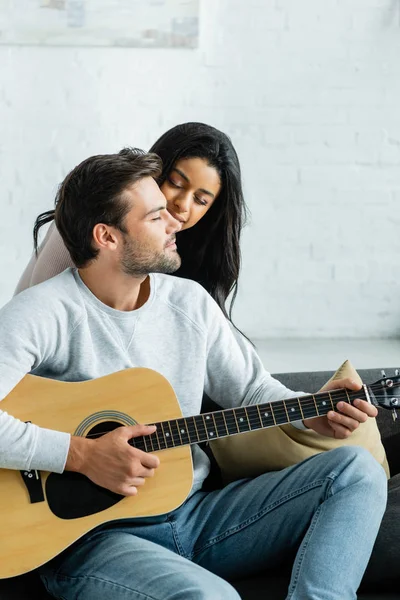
51,259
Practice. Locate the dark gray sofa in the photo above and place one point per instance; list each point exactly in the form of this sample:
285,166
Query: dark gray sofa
270,585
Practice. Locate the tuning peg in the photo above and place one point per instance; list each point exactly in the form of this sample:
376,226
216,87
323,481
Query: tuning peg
383,373
394,415
396,372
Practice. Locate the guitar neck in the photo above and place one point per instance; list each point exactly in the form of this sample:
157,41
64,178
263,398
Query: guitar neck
232,421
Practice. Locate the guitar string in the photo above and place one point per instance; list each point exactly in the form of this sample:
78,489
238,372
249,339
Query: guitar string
278,411
189,429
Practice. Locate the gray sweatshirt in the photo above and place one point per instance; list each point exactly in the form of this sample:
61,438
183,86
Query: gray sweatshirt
59,329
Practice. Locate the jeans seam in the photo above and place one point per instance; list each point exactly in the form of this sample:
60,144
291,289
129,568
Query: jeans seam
257,516
177,541
67,578
295,575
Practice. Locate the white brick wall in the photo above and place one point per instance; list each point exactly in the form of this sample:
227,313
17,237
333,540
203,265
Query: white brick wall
309,92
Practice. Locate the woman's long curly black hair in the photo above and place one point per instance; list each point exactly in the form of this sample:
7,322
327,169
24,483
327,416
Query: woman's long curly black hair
210,250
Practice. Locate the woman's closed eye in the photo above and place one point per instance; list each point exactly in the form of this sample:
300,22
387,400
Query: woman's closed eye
201,201
175,183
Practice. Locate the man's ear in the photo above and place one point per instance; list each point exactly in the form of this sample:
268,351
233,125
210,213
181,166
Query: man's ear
104,237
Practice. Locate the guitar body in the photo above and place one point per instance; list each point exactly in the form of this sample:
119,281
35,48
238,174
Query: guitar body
33,533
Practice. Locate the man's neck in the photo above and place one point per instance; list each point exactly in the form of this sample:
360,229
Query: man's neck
116,289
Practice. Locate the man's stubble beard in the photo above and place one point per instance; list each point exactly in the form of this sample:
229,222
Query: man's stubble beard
138,259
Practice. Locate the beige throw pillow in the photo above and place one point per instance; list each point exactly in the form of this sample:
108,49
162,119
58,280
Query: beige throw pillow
256,452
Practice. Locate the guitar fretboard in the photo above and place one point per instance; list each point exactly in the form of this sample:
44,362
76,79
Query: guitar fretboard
232,421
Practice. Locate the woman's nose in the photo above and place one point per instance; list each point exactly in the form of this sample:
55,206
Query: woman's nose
182,203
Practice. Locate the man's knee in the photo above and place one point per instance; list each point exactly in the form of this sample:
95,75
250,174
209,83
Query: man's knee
358,464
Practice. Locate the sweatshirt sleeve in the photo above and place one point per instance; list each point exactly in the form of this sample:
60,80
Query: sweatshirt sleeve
235,374
25,340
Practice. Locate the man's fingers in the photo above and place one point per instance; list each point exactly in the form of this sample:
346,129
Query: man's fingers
368,408
352,411
346,382
343,421
148,460
340,432
145,473
127,490
137,481
131,431
361,409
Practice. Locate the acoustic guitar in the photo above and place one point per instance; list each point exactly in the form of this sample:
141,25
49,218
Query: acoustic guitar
43,513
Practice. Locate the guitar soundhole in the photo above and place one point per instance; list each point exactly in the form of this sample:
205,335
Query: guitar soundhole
102,428
72,495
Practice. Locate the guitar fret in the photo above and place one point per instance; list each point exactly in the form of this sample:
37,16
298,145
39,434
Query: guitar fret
210,427
272,412
215,424
293,410
153,441
138,443
226,425
183,432
187,429
316,407
300,408
287,414
247,417
162,443
195,426
220,424
259,415
201,428
242,420
253,416
158,439
205,428
236,421
308,407
330,398
166,436
323,405
266,415
230,420
175,432
279,412
171,435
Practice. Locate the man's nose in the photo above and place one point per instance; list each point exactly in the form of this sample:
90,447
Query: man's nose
173,225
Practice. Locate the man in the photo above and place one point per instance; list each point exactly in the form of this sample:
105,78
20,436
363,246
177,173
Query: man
110,314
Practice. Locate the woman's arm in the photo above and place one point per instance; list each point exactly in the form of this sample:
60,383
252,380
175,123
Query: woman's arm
52,258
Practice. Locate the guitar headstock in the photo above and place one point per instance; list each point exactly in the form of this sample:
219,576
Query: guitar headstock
386,392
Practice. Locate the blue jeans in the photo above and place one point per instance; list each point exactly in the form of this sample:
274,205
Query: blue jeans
323,513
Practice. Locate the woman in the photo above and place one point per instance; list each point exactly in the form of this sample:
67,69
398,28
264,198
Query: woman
201,181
